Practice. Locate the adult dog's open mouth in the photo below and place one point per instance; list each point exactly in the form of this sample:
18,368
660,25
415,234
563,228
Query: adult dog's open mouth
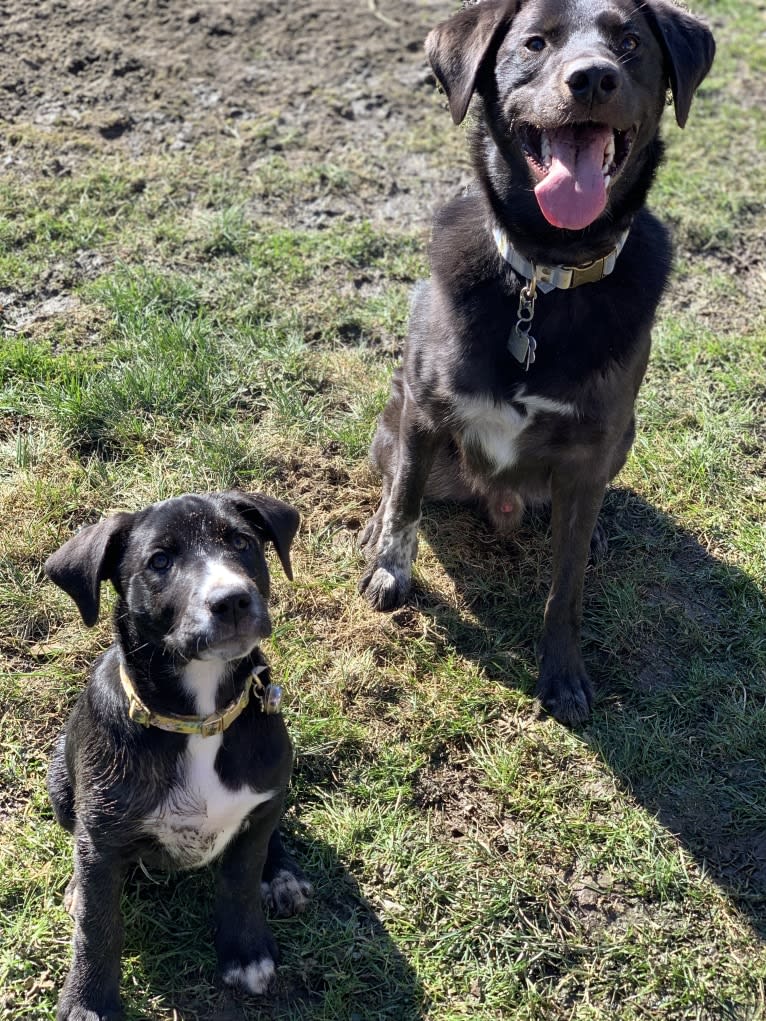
574,167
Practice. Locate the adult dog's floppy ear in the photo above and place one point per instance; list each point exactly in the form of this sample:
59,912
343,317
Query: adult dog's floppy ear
276,520
688,46
86,560
456,49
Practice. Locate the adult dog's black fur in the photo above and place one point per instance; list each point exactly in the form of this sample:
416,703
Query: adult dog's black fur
192,587
561,88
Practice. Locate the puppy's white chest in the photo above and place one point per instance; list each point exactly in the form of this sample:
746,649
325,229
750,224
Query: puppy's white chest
496,428
200,815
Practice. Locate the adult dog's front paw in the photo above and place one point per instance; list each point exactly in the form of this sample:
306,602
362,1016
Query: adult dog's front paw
386,581
566,693
385,588
287,893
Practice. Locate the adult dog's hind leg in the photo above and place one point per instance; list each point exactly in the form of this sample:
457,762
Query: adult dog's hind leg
391,536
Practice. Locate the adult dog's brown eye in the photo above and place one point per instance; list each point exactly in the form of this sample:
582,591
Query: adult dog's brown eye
160,561
536,43
240,542
629,43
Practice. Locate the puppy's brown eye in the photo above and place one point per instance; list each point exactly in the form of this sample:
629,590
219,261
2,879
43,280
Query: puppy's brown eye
160,561
240,542
629,43
536,43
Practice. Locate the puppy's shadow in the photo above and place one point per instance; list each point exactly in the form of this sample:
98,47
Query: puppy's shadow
336,959
675,642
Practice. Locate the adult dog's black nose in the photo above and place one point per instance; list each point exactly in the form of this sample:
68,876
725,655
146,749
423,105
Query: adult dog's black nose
230,604
593,81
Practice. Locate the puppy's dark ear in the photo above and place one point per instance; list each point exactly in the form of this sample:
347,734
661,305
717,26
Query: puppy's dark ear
276,520
86,560
456,49
688,46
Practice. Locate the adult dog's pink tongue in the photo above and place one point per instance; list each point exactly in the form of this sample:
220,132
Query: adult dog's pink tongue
573,193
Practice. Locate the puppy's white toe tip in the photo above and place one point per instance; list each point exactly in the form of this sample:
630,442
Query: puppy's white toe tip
255,978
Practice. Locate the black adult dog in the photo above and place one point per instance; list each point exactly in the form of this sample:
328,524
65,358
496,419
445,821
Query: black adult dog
175,753
528,345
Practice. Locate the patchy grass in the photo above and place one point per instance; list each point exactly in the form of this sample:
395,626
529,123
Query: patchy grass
471,858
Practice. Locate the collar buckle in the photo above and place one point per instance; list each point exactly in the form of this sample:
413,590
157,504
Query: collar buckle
212,725
593,271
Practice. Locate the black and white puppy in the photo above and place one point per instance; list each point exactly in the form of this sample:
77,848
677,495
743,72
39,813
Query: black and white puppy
554,242
192,587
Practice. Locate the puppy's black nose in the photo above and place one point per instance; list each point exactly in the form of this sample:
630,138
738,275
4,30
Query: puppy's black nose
592,81
228,605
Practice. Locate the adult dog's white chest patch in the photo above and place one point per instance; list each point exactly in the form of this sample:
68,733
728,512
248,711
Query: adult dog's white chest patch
200,815
496,428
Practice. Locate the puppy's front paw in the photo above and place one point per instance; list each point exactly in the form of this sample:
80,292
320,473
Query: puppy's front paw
385,588
288,893
566,694
255,977
247,963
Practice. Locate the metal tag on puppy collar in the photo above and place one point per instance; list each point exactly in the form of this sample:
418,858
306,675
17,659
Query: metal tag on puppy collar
272,699
521,343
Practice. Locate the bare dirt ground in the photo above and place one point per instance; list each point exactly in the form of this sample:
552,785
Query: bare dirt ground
321,83
151,77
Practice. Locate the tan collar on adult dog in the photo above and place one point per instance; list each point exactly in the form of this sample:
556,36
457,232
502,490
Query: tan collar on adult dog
563,277
206,726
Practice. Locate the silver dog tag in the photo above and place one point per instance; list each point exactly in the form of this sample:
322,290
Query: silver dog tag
272,701
522,346
521,343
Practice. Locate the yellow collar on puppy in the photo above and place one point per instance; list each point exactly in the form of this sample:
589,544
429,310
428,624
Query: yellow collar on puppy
270,696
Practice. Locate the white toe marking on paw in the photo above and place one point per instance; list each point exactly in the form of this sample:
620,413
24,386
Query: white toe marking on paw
255,977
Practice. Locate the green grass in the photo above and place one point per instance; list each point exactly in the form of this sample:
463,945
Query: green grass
471,858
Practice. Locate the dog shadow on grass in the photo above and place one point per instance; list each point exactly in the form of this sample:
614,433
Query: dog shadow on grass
675,642
336,960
